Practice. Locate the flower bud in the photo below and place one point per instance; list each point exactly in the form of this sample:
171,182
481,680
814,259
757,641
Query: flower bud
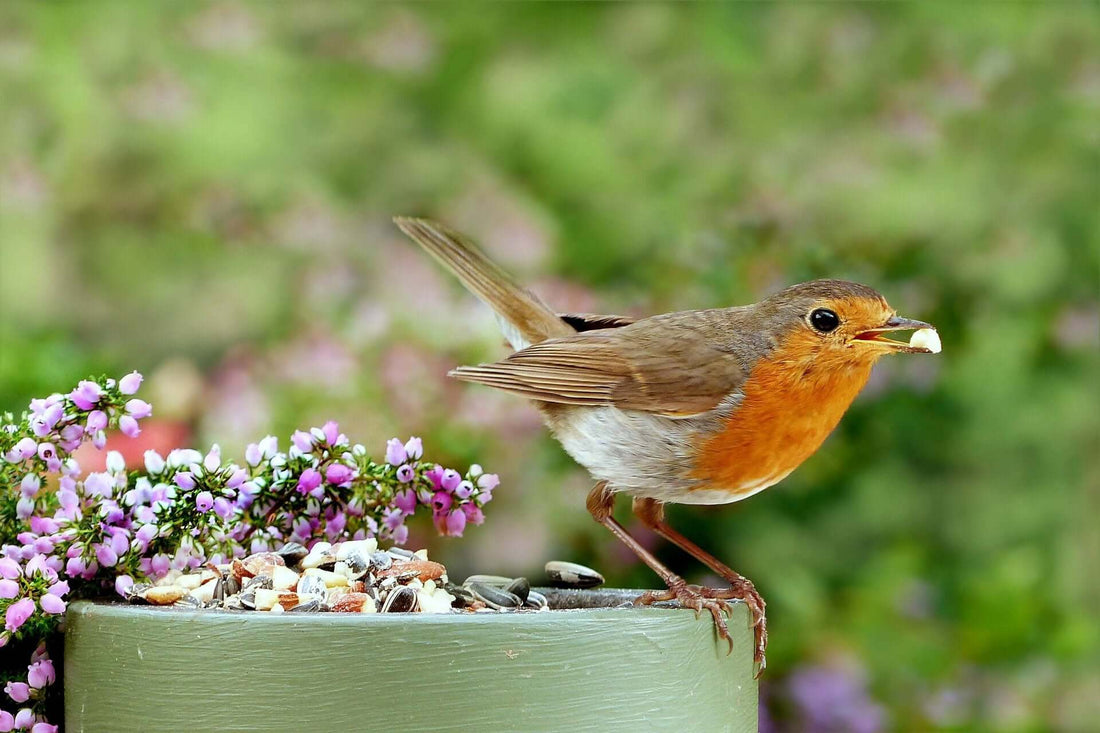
129,426
130,383
18,691
115,462
51,604
302,440
123,584
29,486
204,500
464,490
395,452
456,523
213,460
97,420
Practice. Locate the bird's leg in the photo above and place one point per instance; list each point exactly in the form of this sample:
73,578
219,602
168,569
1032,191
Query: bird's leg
600,502
652,514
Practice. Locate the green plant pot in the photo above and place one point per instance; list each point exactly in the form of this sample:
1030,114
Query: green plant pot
133,668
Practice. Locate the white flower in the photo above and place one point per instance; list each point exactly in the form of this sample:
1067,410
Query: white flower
154,463
115,462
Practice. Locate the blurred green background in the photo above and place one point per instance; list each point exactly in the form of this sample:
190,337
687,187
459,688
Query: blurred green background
203,192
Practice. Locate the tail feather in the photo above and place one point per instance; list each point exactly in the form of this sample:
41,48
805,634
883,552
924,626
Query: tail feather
529,318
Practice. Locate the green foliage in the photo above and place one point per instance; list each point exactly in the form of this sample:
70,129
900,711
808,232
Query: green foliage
215,184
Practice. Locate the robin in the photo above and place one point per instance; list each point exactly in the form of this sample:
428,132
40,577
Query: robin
693,407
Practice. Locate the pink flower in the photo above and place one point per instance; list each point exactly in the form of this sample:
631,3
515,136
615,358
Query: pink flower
41,673
339,474
18,691
335,526
204,500
184,480
435,475
24,449
9,568
488,481
474,515
146,533
302,440
414,448
130,383
464,490
223,507
123,583
7,720
405,501
47,452
24,508
43,727
24,718
53,414
441,501
332,432
139,408
51,604
18,613
395,452
309,480
86,395
75,567
400,535
97,420
160,564
120,542
405,473
129,426
107,557
8,588
43,525
59,588
456,523
450,479
29,485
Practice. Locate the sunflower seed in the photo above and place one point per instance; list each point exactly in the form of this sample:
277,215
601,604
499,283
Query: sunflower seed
293,553
536,600
497,581
572,575
358,564
258,581
520,588
494,597
401,600
307,607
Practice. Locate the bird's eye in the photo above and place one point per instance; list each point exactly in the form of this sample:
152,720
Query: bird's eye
824,320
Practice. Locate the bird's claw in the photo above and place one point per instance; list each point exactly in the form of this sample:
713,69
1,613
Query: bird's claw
699,598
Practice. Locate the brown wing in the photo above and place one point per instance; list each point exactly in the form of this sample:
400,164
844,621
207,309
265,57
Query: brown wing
593,321
654,365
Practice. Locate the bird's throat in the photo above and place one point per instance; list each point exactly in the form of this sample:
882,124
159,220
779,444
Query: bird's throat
790,406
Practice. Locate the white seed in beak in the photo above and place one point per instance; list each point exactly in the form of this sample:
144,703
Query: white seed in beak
926,338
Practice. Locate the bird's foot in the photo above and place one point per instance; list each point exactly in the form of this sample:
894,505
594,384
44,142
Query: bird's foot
699,598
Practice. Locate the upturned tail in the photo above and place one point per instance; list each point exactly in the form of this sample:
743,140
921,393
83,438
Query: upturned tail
525,318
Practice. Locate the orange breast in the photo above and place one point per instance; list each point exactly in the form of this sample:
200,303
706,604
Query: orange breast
793,400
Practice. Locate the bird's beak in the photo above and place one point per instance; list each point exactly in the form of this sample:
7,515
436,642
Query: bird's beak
924,339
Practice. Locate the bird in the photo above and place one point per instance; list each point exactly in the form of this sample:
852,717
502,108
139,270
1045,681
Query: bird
704,406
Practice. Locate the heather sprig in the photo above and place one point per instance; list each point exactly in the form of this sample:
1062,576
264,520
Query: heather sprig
64,533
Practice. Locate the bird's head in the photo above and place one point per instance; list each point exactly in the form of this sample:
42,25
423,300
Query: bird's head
844,321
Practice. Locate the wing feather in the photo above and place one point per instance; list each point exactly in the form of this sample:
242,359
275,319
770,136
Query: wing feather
652,365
